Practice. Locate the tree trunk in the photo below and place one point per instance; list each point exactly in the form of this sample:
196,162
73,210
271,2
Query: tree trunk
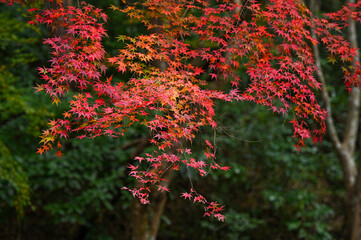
353,212
345,148
146,218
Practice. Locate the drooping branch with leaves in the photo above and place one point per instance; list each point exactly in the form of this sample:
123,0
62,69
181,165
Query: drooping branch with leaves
271,42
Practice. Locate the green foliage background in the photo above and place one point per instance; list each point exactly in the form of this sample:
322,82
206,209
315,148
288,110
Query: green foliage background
270,191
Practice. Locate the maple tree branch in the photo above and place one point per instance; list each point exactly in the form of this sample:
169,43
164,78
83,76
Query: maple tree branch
142,144
183,16
326,99
240,11
133,143
186,11
165,81
238,2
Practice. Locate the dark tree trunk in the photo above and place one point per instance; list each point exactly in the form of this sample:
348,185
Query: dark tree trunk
146,218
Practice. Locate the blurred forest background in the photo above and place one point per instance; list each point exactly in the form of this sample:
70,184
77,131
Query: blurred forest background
271,192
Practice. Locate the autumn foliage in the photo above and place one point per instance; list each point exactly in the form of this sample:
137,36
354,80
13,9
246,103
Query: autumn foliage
167,88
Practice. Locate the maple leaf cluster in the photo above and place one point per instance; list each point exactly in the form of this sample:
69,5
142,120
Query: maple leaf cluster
339,47
167,91
76,66
211,208
10,2
24,2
